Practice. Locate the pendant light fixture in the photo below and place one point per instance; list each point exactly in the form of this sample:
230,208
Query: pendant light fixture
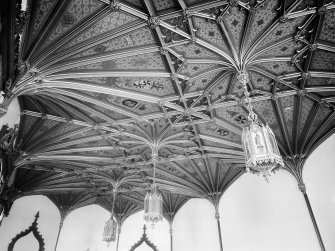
153,202
110,229
260,146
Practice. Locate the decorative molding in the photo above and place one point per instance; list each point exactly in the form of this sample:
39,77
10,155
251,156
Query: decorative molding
34,229
144,239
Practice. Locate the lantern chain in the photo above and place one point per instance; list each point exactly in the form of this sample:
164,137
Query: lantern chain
243,78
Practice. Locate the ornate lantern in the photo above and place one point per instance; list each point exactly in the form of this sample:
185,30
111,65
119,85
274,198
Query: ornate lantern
153,202
110,229
153,206
259,142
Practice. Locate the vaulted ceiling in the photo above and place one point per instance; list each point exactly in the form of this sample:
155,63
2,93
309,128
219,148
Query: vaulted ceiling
105,84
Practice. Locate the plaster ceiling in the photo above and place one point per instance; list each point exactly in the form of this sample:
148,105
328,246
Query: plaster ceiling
105,83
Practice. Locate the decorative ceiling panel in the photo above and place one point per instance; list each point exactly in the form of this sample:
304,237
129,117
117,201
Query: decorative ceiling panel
288,108
278,68
174,130
45,127
43,10
235,23
262,18
327,94
76,11
307,105
209,30
234,114
151,85
137,3
261,82
112,114
130,104
191,50
306,4
221,88
193,2
323,60
330,125
164,4
190,70
179,23
200,83
283,50
321,115
108,23
66,128
327,31
149,61
266,110
142,36
282,31
28,123
320,81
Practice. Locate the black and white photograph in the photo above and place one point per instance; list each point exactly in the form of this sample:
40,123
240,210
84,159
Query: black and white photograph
167,125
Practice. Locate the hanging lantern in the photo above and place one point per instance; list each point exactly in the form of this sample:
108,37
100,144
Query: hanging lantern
260,146
110,228
110,231
153,206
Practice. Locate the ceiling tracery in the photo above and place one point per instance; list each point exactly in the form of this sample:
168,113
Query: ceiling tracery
107,83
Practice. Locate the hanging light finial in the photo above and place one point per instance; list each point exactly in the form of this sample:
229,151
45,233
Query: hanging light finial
110,228
153,201
260,146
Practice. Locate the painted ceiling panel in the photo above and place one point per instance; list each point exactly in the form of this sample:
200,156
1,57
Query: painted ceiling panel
142,36
279,68
200,83
221,88
190,70
327,30
190,50
307,105
265,110
286,49
209,30
28,123
75,12
163,5
235,23
323,60
261,82
282,31
288,108
320,81
234,114
108,23
43,10
262,18
137,3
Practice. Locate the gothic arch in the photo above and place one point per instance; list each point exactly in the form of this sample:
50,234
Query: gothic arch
145,239
33,228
